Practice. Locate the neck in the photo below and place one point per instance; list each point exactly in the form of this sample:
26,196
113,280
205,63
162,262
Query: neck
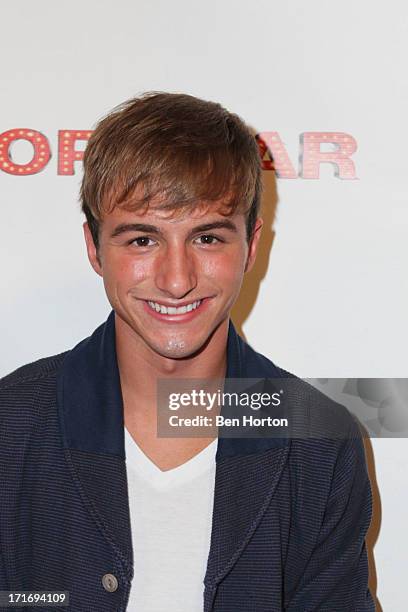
140,367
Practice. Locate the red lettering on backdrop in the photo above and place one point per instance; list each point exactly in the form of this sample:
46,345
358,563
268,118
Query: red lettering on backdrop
272,151
312,156
67,155
271,144
41,151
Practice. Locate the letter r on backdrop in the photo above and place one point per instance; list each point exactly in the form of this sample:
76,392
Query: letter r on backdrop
311,154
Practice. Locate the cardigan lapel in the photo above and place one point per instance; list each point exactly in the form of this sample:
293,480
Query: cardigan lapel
244,486
90,413
247,473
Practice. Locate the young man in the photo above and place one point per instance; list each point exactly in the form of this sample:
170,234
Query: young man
171,194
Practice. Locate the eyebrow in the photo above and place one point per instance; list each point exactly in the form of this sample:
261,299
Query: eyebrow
152,229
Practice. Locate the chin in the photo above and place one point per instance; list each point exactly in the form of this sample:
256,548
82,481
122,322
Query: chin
175,348
178,351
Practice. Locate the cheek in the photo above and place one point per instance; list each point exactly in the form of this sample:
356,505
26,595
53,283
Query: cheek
225,268
138,271
126,273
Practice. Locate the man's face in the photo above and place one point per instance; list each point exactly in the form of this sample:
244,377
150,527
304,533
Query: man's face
152,263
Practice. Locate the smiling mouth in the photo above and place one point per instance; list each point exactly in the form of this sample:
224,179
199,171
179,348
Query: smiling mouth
173,310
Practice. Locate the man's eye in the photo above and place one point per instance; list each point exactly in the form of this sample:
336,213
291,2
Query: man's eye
209,239
141,241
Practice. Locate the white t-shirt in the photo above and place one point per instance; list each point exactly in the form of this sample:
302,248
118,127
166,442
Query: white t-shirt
171,514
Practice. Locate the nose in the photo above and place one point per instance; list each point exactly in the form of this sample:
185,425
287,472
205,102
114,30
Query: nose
176,272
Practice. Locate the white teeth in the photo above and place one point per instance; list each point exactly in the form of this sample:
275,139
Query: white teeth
172,310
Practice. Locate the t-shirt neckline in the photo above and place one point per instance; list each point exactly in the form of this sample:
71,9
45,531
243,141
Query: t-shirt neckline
137,461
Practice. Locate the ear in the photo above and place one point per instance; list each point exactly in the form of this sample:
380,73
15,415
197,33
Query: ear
92,251
253,245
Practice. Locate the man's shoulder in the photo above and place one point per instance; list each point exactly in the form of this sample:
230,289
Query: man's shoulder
320,414
27,391
32,372
321,429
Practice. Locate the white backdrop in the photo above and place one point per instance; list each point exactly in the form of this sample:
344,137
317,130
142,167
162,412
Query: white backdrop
334,300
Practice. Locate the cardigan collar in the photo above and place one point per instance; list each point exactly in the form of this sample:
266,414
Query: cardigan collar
90,401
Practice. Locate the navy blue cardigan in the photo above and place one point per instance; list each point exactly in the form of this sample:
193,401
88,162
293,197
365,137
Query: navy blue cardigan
289,516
